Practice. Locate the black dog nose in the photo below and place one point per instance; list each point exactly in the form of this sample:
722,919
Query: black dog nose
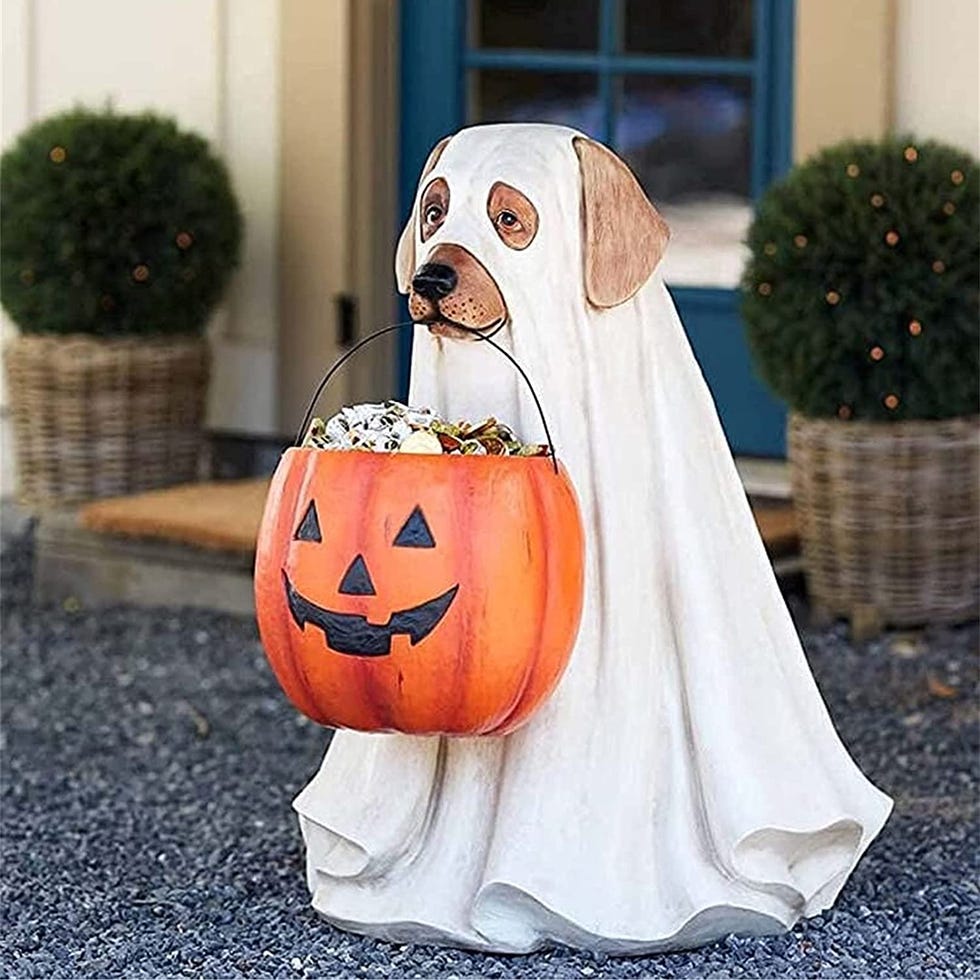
434,280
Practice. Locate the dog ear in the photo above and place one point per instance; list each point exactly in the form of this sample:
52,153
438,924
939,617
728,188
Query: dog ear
405,253
623,235
405,256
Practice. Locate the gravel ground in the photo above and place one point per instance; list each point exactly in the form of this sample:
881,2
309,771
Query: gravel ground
149,762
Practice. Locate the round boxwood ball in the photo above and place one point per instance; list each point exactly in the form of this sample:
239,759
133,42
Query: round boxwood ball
114,224
860,298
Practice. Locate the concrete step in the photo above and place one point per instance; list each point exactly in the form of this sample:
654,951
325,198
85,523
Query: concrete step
95,568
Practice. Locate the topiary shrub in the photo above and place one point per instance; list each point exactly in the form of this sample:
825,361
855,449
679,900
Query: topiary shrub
114,224
860,297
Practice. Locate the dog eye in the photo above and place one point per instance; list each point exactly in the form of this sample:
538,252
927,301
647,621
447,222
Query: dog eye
513,216
433,213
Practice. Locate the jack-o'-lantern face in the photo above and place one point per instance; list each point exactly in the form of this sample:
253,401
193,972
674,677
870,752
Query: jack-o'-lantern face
351,633
418,593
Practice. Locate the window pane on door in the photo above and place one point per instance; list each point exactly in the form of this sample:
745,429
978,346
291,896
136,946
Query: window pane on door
688,139
567,98
551,24
703,28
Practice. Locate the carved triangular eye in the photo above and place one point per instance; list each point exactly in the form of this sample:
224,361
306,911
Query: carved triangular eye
415,532
309,527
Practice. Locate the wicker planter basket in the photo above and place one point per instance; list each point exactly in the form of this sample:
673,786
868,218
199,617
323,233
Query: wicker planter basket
889,516
97,417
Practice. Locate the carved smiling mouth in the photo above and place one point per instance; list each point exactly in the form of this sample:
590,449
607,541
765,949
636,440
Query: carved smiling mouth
352,634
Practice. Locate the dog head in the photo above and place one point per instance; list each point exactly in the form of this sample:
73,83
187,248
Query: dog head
623,239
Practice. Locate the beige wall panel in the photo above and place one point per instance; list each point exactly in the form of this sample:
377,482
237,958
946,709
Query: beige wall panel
134,53
17,97
374,190
244,392
843,72
937,78
315,217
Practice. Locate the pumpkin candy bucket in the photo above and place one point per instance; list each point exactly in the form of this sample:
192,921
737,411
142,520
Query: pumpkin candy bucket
426,594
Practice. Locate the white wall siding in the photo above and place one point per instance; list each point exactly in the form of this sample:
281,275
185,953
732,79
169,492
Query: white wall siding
937,71
214,65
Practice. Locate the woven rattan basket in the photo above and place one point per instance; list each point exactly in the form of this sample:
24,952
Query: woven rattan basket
97,417
889,516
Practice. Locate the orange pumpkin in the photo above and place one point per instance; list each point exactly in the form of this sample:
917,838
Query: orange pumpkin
421,594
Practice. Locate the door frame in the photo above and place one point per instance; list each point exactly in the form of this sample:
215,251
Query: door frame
338,98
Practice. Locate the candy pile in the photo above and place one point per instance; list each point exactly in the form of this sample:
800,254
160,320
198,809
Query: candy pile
391,427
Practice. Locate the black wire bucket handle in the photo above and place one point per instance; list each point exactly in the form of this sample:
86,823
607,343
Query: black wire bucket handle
347,355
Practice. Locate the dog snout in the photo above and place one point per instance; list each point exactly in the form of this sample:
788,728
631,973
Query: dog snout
434,280
454,289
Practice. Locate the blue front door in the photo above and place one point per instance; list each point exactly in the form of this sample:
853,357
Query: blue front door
695,96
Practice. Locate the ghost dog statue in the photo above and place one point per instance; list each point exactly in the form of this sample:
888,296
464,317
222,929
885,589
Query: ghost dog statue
685,780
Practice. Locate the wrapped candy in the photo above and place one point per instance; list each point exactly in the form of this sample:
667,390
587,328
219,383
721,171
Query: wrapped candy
387,427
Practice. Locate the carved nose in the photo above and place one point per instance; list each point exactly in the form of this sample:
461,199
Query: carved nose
434,280
357,579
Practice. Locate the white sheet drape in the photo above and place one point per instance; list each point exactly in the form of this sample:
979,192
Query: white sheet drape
685,780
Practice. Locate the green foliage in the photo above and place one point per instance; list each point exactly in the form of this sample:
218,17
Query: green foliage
114,224
861,295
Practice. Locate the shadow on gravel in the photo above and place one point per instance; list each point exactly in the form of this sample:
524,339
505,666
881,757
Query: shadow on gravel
149,761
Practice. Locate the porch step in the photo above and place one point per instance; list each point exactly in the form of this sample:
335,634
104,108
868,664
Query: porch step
218,516
194,545
191,545
96,569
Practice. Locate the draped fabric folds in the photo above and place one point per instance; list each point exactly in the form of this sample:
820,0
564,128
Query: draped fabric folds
685,780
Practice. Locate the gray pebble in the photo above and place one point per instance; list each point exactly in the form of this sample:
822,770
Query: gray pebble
133,847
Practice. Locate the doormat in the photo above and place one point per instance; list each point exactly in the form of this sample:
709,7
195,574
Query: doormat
221,516
225,516
777,525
